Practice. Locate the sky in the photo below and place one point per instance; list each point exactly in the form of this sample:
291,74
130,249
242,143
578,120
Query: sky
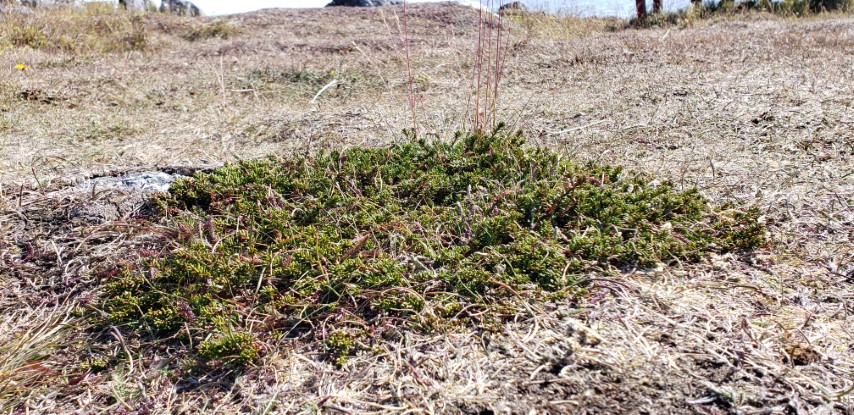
619,8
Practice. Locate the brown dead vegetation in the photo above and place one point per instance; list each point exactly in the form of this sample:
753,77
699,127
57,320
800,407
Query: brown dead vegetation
754,109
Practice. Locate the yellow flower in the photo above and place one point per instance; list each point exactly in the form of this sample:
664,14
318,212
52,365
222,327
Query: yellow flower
22,67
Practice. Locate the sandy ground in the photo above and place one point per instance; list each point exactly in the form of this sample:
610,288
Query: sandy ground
754,109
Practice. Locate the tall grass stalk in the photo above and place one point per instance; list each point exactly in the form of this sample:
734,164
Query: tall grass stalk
479,68
493,37
488,66
412,106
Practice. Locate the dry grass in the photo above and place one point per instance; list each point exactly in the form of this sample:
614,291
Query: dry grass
97,28
750,109
537,26
26,345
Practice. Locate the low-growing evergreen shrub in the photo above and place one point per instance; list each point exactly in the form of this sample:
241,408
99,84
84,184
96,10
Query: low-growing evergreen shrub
418,235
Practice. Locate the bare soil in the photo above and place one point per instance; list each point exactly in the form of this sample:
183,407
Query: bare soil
753,109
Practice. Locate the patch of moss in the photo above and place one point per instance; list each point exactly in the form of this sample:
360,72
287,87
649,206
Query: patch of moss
418,235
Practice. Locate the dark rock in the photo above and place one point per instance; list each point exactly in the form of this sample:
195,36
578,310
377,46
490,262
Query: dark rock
137,5
180,7
363,3
516,7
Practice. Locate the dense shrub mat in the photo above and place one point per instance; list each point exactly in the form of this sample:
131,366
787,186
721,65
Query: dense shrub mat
351,244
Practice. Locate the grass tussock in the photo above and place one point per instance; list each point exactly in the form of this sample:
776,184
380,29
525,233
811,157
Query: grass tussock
94,28
24,349
217,29
549,26
356,244
102,28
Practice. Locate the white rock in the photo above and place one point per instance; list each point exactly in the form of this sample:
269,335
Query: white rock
142,181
